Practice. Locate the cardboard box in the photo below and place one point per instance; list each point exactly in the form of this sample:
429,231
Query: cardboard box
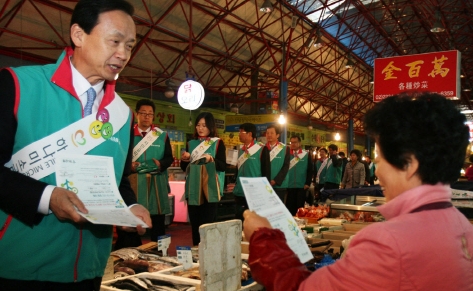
355,226
335,236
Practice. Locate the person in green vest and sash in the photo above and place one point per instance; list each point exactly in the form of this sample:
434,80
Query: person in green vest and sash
204,164
321,171
299,176
253,161
152,155
66,107
333,177
279,158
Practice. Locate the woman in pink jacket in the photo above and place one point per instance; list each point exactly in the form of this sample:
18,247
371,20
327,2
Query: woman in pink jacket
425,244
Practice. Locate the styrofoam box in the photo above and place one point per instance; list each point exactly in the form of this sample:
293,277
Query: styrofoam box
172,279
332,221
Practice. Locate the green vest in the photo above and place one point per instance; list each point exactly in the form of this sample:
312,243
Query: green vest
63,247
334,174
276,165
194,177
318,164
153,189
372,168
250,168
297,175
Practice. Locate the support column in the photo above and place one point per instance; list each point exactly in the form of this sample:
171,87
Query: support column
283,107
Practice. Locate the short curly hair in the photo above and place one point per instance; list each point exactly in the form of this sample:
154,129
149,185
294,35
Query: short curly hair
357,153
426,125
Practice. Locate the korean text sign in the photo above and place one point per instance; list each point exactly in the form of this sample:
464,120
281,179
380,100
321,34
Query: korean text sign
437,72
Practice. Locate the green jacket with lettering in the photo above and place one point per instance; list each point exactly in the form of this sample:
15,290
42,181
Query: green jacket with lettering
153,188
277,165
55,250
301,173
195,178
334,170
250,168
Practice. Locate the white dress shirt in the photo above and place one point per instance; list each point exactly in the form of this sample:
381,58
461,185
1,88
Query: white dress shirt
81,85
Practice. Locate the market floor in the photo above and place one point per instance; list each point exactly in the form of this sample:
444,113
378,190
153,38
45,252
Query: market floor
181,235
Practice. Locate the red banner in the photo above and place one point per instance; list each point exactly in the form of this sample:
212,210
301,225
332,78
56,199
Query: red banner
437,72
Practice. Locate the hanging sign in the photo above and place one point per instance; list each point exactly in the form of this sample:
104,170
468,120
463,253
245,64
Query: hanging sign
437,72
190,95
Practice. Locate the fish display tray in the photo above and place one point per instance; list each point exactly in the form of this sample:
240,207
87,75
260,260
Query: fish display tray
106,285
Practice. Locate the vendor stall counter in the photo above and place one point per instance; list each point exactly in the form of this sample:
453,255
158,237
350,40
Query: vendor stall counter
349,195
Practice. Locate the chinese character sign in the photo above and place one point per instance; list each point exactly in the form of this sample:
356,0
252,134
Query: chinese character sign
437,72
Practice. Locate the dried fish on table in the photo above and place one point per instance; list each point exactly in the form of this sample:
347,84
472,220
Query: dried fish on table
129,284
192,273
138,266
120,275
155,266
126,253
142,284
121,269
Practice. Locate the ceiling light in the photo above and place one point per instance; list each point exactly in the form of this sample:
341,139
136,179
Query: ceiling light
337,136
267,7
438,26
282,119
349,63
469,111
319,43
234,108
310,41
466,90
169,92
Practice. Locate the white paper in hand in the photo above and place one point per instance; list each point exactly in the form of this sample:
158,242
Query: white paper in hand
263,200
92,179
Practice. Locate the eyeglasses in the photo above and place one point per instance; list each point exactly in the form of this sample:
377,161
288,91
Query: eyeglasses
242,131
146,114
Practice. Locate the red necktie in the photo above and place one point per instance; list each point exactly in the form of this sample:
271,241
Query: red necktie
143,133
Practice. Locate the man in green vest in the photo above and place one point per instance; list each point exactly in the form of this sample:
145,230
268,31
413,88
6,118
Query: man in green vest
253,161
66,107
333,177
279,159
299,176
320,171
151,164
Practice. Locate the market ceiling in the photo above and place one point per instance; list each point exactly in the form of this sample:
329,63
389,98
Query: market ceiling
236,51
